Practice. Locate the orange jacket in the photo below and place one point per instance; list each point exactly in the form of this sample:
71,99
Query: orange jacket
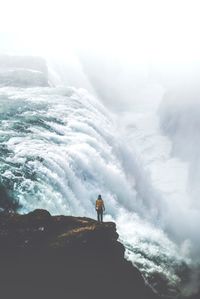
100,204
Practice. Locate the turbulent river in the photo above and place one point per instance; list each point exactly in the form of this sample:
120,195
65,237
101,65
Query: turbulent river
60,148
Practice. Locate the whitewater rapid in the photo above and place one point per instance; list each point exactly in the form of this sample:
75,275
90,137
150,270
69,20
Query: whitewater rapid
60,148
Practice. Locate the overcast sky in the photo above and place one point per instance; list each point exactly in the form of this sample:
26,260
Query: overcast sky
121,47
150,31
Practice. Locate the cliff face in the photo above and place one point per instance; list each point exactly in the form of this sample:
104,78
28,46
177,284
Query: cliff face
44,256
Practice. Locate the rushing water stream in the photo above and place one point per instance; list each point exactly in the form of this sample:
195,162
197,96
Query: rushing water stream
60,148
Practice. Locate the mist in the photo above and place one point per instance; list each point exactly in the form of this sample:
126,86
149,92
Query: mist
133,66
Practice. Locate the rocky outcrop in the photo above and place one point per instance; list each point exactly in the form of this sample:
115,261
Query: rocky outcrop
44,256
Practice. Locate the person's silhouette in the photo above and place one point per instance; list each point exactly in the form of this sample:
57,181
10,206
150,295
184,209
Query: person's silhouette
100,208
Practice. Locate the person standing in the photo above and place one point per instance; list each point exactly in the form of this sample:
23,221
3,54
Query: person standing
100,208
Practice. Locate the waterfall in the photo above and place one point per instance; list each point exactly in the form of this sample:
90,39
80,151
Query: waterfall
60,148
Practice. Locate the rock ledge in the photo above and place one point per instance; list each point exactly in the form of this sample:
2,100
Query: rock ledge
44,256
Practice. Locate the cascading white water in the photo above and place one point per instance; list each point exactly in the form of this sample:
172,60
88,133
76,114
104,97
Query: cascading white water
60,148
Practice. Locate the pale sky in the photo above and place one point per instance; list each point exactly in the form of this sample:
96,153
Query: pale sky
153,31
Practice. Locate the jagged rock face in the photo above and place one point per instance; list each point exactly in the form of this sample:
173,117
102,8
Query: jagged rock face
44,256
23,71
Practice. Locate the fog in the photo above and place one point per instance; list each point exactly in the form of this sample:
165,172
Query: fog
141,60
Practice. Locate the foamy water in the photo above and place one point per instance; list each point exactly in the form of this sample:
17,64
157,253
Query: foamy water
60,148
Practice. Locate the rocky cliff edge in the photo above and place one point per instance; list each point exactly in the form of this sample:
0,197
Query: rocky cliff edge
44,256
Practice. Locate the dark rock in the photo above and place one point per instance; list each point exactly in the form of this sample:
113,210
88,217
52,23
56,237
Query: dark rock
39,214
44,256
7,203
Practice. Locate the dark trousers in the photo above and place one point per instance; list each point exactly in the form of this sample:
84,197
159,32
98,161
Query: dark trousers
100,215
